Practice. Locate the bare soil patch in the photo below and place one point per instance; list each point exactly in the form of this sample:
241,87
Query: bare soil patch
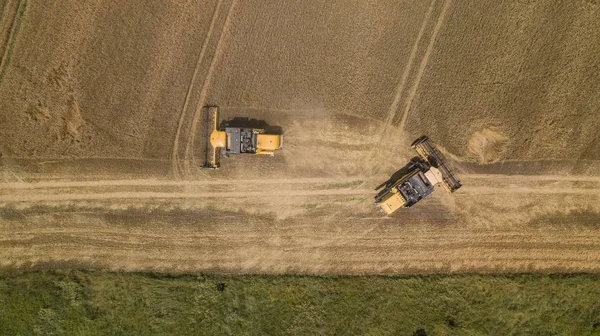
487,145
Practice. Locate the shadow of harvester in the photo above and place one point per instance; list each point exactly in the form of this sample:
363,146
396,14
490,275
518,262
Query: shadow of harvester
399,173
251,123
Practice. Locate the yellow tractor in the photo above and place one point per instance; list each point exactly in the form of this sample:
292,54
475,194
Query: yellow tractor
416,180
227,139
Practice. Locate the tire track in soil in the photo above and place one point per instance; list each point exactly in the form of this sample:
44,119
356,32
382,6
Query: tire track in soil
8,42
229,251
159,183
175,154
188,155
424,62
7,15
35,195
177,195
407,70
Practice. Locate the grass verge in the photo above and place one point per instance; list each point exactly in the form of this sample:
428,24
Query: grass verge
94,303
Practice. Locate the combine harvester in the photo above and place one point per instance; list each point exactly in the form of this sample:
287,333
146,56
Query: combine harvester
416,180
225,140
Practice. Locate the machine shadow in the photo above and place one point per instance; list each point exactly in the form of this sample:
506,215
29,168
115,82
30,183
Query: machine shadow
244,122
399,173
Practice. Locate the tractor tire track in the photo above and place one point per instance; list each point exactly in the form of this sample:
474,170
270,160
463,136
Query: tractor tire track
188,156
424,62
159,183
175,153
326,241
374,179
80,190
235,248
407,70
38,197
11,36
175,195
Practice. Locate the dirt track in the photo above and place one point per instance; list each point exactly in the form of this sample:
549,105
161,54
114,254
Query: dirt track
99,142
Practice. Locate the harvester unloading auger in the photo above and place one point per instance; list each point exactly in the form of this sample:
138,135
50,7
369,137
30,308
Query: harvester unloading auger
228,139
416,180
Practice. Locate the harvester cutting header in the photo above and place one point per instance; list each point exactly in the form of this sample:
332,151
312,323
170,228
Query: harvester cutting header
416,180
226,139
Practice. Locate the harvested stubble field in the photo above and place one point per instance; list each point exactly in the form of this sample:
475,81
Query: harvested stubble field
100,111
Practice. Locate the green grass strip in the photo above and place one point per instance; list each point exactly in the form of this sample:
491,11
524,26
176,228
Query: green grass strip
102,303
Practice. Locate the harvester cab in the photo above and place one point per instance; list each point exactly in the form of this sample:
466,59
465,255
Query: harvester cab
416,180
226,139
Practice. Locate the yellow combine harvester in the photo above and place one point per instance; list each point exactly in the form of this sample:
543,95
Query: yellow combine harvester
225,140
416,180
